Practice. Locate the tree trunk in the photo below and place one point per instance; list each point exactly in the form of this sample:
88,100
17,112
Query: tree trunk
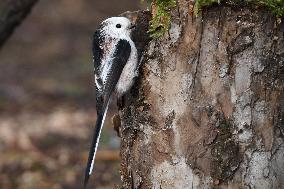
208,111
12,12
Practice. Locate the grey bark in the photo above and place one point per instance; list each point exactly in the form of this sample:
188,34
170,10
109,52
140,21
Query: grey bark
12,12
208,109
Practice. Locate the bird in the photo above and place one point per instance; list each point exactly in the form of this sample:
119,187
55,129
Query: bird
115,69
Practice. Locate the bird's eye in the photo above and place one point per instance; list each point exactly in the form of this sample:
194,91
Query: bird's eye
118,26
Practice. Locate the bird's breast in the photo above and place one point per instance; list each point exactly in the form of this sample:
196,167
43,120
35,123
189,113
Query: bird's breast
129,72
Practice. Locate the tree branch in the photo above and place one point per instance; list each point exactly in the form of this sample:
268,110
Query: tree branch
12,13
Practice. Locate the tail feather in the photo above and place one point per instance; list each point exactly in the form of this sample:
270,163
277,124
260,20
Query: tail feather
94,146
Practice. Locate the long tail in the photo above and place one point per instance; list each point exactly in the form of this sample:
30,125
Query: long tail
94,146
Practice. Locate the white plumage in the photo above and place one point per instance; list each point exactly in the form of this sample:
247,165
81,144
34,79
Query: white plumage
129,72
116,66
113,36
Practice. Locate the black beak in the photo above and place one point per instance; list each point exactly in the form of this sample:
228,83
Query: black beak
132,26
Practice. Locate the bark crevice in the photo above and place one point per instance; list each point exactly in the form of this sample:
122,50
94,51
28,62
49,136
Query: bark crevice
208,106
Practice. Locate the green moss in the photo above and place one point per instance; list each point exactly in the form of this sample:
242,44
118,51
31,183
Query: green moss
160,22
276,6
202,3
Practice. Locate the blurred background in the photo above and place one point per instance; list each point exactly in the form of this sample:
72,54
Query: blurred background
47,101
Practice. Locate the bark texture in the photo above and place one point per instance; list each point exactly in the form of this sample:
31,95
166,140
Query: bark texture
12,12
208,111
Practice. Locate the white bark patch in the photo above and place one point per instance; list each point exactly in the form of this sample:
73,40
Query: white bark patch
174,32
155,68
177,139
242,77
186,83
246,135
243,117
178,176
258,66
223,71
241,95
172,90
278,165
148,133
259,175
151,48
233,94
260,113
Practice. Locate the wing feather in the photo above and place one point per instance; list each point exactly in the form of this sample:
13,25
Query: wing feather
113,71
119,59
98,41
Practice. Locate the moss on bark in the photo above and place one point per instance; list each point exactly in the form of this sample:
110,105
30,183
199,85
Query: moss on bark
161,16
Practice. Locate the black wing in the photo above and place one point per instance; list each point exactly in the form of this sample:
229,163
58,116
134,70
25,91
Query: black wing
120,57
98,53
98,39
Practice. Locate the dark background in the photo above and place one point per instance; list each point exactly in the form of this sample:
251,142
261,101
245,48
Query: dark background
47,102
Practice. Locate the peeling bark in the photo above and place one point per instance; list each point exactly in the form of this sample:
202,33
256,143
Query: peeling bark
12,12
209,107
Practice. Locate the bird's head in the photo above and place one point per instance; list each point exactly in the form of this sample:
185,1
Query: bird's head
117,27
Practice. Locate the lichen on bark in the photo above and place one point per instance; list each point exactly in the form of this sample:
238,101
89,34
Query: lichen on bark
207,110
